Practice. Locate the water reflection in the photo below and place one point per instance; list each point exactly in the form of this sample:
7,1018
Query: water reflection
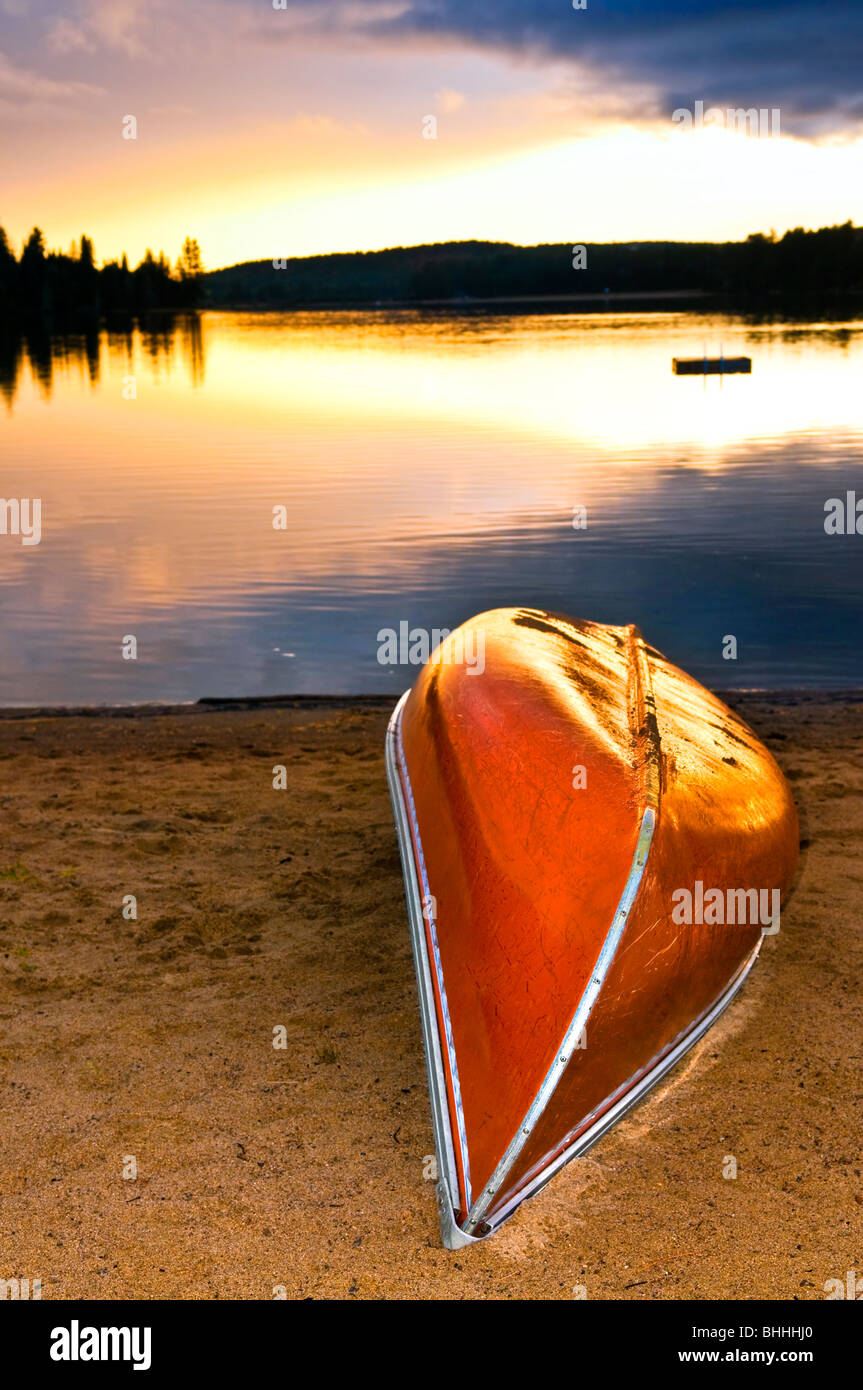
36,345
427,467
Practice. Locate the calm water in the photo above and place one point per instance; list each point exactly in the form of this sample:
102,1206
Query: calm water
429,467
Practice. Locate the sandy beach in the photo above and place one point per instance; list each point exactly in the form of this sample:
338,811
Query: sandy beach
147,1045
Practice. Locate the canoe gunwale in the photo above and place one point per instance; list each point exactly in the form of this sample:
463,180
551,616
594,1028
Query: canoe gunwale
577,1023
645,734
629,1094
448,1180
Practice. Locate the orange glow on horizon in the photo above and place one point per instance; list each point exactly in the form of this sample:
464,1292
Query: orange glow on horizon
339,189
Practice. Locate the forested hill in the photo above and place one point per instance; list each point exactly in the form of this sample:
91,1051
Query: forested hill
828,261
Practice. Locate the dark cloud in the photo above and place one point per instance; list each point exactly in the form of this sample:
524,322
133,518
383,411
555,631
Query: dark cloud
806,58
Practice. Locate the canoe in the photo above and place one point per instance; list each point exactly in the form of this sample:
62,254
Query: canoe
593,848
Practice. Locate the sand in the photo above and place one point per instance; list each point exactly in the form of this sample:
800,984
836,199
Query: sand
301,1168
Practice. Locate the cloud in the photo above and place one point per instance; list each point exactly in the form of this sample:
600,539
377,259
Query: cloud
26,94
119,24
805,58
449,100
66,37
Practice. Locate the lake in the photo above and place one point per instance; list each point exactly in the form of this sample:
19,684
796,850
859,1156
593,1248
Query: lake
420,467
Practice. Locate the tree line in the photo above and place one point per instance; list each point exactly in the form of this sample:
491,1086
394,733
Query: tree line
824,262
827,262
68,285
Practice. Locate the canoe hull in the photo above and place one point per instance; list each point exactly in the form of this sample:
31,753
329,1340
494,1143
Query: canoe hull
556,984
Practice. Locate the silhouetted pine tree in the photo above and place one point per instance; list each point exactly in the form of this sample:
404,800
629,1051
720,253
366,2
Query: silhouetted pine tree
8,269
32,278
71,285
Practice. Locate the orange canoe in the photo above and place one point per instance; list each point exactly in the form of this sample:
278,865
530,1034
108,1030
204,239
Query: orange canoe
593,848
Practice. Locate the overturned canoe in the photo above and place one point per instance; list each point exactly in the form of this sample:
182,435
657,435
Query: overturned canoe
593,847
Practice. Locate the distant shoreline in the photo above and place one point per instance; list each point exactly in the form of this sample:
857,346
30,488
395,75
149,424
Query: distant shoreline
460,275
464,301
217,704
803,304
475,274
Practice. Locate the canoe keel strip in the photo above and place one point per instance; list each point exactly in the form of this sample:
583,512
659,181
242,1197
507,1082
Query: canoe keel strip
554,987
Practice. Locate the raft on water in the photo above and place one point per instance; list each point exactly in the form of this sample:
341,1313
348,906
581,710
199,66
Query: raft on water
593,848
709,366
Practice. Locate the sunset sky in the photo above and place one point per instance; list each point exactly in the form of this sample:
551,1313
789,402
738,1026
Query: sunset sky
268,132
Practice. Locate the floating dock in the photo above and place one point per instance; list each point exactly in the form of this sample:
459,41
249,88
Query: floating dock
709,366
